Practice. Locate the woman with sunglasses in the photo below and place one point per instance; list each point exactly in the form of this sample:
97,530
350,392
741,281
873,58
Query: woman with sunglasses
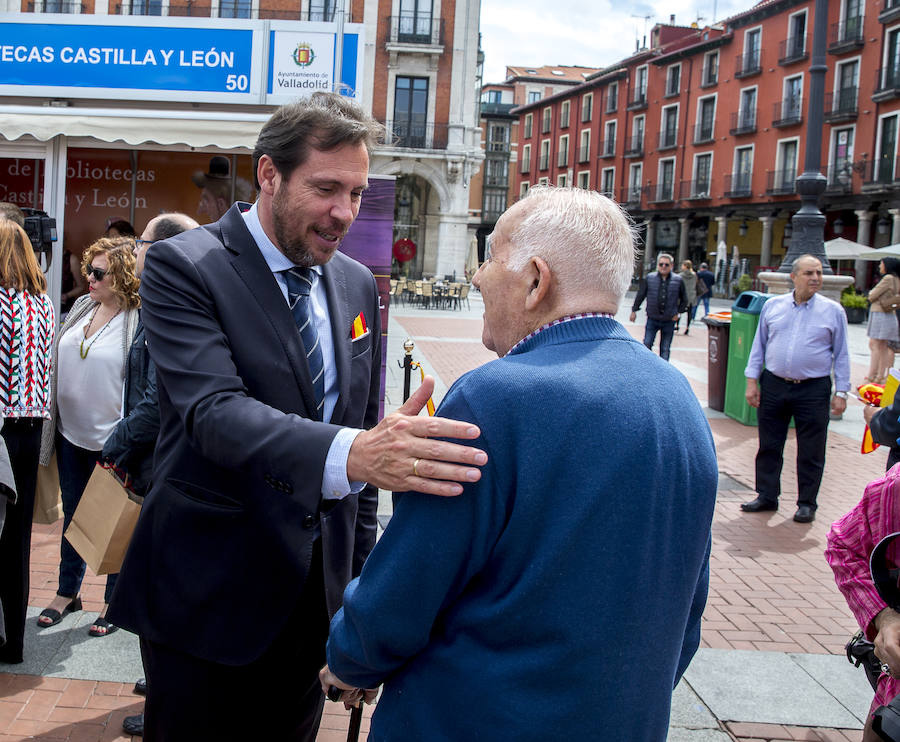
88,377
26,336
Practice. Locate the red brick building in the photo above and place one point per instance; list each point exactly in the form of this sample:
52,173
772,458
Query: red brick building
701,136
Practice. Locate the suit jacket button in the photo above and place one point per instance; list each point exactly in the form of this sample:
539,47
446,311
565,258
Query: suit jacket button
309,521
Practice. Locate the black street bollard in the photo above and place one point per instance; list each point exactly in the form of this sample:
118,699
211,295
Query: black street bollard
407,366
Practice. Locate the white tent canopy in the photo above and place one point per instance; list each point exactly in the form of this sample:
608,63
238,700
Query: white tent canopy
841,249
891,251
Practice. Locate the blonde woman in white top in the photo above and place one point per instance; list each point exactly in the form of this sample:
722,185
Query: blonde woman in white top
88,378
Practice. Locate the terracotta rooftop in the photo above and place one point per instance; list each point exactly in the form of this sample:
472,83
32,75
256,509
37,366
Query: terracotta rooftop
556,73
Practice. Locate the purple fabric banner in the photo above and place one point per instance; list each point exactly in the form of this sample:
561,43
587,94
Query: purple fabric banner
369,241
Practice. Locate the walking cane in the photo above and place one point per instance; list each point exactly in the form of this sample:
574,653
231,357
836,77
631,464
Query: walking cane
334,694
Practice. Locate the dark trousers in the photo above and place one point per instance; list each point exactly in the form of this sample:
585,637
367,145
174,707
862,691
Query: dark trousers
277,697
76,465
809,404
666,329
23,442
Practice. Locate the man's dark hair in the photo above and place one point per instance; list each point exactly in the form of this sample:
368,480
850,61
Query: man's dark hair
324,121
12,212
123,227
168,227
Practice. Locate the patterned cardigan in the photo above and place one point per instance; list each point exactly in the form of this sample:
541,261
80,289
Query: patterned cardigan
27,325
82,306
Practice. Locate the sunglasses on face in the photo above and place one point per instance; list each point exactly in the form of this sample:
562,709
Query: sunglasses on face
98,273
664,265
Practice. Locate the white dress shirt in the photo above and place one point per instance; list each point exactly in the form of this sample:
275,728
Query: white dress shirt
334,478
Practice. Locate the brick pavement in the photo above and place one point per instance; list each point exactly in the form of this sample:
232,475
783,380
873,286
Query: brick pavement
770,587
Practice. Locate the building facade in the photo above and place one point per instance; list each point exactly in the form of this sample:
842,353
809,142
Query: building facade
494,188
702,135
117,110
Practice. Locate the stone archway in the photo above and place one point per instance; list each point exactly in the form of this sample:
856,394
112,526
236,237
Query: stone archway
429,210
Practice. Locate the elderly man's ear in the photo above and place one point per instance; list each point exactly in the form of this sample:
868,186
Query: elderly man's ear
539,273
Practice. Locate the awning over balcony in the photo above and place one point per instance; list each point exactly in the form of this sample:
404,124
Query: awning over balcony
225,130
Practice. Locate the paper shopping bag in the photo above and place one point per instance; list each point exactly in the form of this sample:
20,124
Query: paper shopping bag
47,497
103,522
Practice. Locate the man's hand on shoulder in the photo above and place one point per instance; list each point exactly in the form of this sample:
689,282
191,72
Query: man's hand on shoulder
399,453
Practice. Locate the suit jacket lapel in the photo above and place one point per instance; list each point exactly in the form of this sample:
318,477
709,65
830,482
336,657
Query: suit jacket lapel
252,268
338,310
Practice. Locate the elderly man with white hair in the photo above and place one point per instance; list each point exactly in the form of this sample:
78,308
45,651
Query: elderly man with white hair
560,596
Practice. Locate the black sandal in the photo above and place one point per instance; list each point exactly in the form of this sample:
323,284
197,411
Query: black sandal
102,627
55,616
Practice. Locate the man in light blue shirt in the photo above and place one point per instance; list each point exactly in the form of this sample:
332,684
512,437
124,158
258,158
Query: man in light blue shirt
801,339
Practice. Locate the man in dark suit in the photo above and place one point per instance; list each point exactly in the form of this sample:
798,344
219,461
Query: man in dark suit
264,481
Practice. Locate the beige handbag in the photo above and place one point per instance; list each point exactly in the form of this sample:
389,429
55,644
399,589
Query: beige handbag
104,520
47,496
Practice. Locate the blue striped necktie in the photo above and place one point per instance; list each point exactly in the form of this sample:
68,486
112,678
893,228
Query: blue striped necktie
299,284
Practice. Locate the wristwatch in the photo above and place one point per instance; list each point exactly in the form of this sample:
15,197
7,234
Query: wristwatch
842,395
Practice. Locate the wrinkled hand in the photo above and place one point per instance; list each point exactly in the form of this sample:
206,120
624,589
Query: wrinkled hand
399,453
838,405
351,696
887,640
752,393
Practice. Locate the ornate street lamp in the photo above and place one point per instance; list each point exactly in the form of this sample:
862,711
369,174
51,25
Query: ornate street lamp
808,235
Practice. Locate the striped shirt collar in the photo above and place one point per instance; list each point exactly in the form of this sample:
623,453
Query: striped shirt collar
567,318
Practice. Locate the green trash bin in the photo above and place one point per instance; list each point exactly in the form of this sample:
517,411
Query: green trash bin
744,320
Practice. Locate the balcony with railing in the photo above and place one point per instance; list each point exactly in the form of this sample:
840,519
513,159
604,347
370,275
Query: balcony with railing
634,146
498,145
890,12
562,157
546,123
747,65
406,135
846,36
696,190
787,112
663,192
564,119
606,148
525,166
415,29
544,162
743,122
147,8
839,178
841,105
781,182
638,102
887,83
668,139
792,49
315,14
709,77
881,175
612,102
738,185
704,132
632,195
57,7
584,154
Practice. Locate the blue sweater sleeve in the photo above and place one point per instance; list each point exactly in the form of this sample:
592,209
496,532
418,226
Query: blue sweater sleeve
692,630
430,551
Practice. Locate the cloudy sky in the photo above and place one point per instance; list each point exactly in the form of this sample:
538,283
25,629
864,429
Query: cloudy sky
589,33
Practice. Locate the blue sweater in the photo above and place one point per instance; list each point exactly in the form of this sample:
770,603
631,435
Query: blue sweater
560,596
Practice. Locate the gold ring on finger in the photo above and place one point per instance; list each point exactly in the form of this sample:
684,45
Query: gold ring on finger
415,469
